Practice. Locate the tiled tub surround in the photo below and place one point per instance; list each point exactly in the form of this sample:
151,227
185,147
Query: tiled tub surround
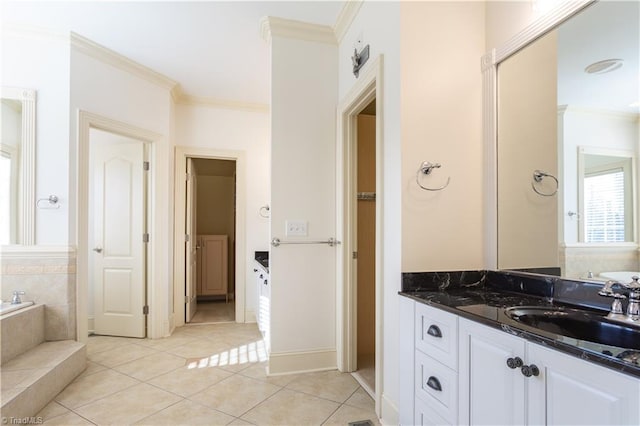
32,370
482,296
47,275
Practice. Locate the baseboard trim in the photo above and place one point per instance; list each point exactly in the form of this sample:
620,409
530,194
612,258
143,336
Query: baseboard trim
389,412
302,362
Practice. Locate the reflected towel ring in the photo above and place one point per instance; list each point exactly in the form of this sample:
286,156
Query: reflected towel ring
52,200
264,211
538,175
426,168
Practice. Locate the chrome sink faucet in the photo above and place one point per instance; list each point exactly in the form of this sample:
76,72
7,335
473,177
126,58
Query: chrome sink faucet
16,297
633,308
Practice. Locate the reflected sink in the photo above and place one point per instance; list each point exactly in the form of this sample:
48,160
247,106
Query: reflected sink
576,323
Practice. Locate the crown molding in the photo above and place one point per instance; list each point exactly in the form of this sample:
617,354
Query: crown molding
348,13
108,56
222,103
272,26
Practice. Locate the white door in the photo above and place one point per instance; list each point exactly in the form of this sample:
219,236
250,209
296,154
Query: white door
117,217
191,244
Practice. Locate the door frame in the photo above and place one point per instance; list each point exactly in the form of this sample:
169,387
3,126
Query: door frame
181,154
368,87
87,121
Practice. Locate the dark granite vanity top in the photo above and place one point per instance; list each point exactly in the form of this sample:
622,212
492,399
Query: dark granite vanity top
262,257
483,296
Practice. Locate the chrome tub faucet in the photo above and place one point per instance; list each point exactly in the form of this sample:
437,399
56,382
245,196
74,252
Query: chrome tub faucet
633,308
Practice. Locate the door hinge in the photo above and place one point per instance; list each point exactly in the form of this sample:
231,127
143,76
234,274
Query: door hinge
145,310
187,177
186,238
145,237
354,255
145,166
187,299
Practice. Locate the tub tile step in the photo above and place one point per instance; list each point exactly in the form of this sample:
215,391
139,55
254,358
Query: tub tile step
31,380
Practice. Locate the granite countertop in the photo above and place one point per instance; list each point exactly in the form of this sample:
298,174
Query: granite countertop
262,257
482,296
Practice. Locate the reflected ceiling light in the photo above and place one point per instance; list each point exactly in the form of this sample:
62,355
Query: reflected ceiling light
602,67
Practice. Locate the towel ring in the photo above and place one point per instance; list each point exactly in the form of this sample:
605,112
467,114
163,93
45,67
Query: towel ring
538,175
264,211
426,168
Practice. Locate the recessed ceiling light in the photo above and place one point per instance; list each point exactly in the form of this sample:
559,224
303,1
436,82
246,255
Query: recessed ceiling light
602,67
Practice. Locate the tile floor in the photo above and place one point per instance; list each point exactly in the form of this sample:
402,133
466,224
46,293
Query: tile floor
214,311
201,375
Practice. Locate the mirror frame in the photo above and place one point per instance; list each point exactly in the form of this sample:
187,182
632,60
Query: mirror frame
489,64
26,182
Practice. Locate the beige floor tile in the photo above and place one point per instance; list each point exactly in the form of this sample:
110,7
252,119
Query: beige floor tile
167,343
90,388
361,399
128,406
97,344
121,354
69,418
235,395
52,409
259,371
92,368
347,414
151,366
187,381
202,348
214,312
187,413
291,408
240,422
331,385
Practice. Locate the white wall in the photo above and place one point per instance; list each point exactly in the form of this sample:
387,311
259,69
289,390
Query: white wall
379,25
39,61
110,92
303,99
236,130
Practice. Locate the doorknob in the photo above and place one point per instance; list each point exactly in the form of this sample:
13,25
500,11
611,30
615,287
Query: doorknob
98,249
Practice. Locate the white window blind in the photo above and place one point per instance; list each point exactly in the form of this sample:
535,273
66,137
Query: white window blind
604,206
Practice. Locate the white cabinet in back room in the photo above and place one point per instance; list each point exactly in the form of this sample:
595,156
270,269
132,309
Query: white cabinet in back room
263,287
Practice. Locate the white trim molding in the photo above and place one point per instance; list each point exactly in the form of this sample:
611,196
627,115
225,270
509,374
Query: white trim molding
88,47
156,298
38,252
489,66
301,362
272,26
347,14
368,87
181,154
222,103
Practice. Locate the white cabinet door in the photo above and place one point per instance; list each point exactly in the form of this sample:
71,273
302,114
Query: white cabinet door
490,391
570,391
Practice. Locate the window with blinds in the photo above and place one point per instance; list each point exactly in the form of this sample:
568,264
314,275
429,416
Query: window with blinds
604,206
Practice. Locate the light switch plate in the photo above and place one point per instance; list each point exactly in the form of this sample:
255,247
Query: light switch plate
296,228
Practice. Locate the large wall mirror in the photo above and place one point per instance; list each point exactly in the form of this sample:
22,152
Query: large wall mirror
568,136
17,165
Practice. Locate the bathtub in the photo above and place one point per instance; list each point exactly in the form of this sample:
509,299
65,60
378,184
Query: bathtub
7,307
620,276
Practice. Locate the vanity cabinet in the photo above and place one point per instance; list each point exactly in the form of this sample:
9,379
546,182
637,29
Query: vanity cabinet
490,384
562,390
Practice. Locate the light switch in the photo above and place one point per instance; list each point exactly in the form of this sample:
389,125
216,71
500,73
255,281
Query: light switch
296,228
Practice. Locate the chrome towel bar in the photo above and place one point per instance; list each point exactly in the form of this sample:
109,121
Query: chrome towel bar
331,242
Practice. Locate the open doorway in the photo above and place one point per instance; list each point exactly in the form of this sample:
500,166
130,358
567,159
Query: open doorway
365,219
210,264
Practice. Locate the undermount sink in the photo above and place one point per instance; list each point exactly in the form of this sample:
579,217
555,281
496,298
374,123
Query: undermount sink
576,323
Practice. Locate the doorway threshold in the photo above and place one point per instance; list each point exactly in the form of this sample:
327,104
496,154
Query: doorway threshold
361,378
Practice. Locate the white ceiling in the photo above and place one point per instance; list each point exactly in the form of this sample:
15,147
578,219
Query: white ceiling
212,49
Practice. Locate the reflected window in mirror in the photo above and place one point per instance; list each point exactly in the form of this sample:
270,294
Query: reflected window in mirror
607,203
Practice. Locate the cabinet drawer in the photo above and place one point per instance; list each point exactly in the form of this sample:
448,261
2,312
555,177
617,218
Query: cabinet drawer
437,385
425,416
437,334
